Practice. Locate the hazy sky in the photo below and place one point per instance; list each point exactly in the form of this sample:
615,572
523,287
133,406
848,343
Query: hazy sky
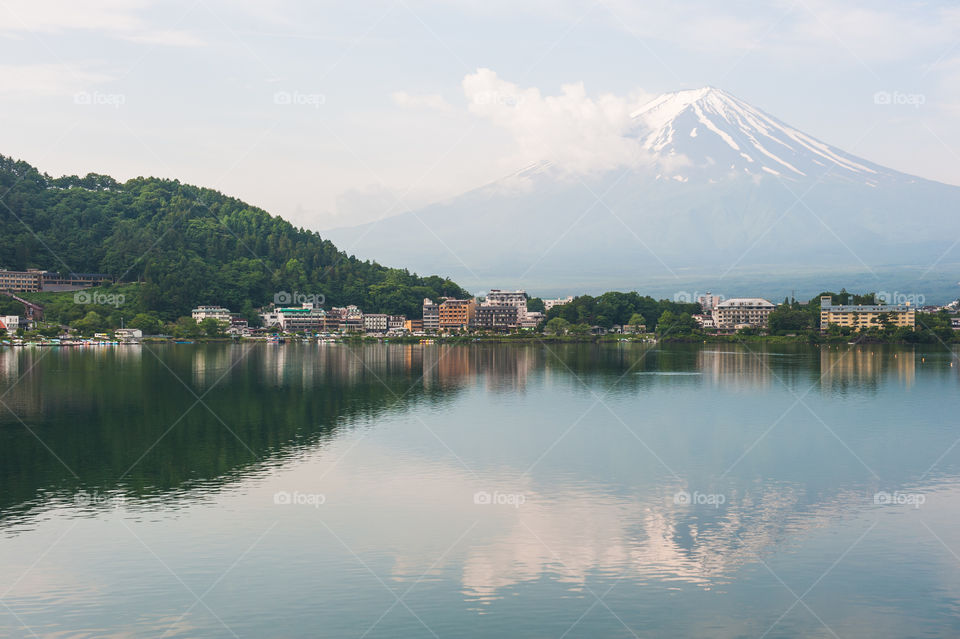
331,114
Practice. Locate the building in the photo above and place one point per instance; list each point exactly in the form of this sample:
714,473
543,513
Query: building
859,316
350,318
128,334
413,325
560,301
11,323
238,326
375,323
270,318
74,281
431,316
301,319
531,319
396,323
705,320
218,313
497,297
709,301
29,281
457,314
496,318
634,329
742,312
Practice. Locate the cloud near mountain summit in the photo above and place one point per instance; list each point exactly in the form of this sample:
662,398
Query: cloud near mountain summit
573,131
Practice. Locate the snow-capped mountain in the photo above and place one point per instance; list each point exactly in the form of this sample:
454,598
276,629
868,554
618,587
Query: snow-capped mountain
719,190
718,134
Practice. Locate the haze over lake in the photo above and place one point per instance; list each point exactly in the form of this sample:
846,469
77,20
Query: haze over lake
540,490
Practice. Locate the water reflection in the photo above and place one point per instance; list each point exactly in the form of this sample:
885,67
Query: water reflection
400,439
260,402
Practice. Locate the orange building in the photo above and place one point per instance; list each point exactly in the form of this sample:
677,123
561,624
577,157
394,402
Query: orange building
457,314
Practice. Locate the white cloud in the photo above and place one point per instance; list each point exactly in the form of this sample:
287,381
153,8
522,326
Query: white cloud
119,18
47,80
52,16
433,101
573,131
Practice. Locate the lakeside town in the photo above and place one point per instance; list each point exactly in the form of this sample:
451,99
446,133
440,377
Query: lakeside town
495,313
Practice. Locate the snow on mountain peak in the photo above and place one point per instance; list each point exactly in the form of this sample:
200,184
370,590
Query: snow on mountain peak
718,134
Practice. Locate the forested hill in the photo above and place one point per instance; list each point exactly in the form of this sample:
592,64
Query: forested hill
187,245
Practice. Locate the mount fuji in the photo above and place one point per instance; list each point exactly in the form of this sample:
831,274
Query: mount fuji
719,194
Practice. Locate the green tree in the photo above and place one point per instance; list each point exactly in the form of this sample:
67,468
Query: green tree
676,324
637,320
211,327
91,323
557,326
146,322
186,328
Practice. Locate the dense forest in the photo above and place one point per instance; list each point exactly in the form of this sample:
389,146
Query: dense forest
186,245
615,307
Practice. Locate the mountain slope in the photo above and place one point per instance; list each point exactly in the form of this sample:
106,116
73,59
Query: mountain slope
719,189
721,134
188,245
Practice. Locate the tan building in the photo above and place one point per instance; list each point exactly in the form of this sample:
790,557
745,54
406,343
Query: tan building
859,316
414,325
457,314
740,312
30,281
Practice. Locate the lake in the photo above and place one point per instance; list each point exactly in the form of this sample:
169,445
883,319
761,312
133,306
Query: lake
539,490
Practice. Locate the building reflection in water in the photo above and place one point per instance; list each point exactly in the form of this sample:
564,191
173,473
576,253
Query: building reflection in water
737,367
845,367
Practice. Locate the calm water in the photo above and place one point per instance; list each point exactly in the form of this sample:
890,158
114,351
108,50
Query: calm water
479,491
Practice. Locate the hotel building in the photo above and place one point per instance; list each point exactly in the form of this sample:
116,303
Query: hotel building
742,312
858,316
457,314
30,281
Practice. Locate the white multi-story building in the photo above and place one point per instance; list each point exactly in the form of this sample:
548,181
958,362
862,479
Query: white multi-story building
396,323
10,322
306,318
740,312
530,319
270,318
216,312
497,297
376,322
560,301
